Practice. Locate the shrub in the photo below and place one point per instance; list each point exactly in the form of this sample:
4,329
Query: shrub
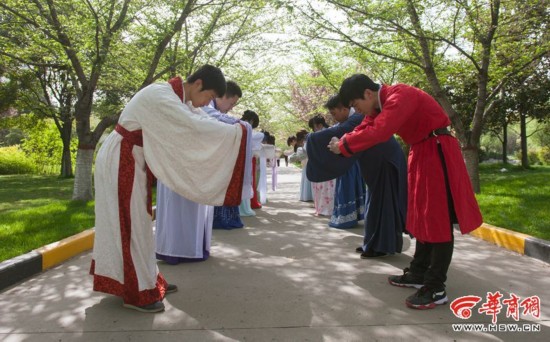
14,161
544,155
44,147
532,157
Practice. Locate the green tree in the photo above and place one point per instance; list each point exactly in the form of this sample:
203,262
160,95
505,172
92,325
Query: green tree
113,48
438,38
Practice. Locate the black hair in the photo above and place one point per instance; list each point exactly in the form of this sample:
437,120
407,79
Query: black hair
354,88
290,140
301,135
317,120
251,117
212,79
334,102
233,89
268,138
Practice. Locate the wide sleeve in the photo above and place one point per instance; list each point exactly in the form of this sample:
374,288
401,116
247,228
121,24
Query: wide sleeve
323,165
191,153
400,105
298,156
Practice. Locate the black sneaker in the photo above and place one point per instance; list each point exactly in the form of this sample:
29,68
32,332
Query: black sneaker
372,254
171,288
154,307
359,249
426,298
406,280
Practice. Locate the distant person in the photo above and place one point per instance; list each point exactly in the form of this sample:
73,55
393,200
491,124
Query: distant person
257,138
300,156
439,190
250,116
290,141
323,192
160,132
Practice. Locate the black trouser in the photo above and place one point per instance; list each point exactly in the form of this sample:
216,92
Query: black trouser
432,260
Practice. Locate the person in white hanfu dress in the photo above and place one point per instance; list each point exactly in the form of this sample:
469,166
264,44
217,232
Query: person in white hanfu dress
300,156
250,116
160,132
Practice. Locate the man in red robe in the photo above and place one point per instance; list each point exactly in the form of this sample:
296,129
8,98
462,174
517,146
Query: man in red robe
439,190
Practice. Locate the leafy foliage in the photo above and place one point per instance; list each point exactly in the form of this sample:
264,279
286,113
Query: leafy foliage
44,148
14,161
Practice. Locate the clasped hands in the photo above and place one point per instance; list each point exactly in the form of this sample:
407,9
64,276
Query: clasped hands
333,145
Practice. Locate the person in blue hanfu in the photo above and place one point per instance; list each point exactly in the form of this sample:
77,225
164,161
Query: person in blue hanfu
349,191
300,156
384,170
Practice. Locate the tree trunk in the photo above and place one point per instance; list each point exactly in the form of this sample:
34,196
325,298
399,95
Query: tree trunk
471,157
523,135
66,160
505,143
83,178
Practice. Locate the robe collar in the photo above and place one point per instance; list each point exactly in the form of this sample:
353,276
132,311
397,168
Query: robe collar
177,86
380,97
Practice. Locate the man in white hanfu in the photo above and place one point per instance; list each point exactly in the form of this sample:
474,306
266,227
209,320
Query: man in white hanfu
160,132
183,228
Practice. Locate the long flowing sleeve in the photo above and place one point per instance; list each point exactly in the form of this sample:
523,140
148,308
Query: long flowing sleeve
183,146
323,165
298,156
400,105
247,191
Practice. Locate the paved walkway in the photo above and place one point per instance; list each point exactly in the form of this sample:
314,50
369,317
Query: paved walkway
286,276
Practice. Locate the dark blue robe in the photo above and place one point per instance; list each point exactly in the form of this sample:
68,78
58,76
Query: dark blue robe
384,169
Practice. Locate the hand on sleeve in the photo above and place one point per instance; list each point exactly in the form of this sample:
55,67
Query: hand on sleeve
333,145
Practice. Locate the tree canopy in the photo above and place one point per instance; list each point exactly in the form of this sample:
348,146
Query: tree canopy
79,62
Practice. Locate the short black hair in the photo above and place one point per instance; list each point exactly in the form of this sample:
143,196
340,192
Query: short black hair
290,140
317,120
354,88
233,89
250,115
301,135
212,79
268,138
334,102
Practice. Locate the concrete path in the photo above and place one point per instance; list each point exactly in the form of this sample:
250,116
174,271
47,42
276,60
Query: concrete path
286,276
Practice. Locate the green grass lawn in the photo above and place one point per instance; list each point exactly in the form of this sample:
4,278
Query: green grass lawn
37,210
517,199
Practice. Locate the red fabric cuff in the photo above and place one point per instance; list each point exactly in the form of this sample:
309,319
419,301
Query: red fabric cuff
344,147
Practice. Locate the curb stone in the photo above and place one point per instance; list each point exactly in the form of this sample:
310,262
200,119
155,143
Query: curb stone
13,271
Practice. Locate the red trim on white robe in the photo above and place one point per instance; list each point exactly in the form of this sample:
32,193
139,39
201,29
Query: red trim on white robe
129,291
